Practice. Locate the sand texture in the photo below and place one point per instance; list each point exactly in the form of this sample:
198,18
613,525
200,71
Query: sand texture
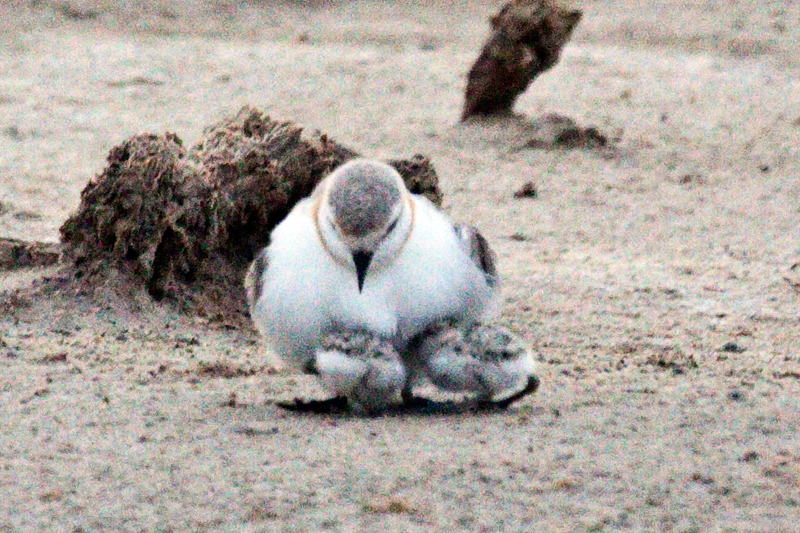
644,205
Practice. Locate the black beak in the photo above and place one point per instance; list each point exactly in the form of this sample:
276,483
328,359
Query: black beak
362,260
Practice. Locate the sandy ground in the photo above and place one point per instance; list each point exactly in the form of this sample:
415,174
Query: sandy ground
653,279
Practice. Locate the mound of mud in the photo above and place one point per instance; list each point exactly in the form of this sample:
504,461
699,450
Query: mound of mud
553,132
527,39
183,224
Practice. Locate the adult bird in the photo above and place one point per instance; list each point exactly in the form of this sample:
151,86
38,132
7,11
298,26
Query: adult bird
363,253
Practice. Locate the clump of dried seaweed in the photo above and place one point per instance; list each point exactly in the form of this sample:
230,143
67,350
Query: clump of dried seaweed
137,211
15,254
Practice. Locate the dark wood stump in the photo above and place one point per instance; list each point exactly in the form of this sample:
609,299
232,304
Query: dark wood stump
527,39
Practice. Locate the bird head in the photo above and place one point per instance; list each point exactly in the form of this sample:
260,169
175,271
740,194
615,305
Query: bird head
364,214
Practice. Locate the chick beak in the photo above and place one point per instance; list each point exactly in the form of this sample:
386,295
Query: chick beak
362,260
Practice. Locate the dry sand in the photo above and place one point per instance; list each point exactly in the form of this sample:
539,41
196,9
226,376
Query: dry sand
653,279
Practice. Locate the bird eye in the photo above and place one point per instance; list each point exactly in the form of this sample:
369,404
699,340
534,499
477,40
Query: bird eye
391,227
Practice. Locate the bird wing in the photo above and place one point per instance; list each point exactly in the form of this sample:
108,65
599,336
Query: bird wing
478,249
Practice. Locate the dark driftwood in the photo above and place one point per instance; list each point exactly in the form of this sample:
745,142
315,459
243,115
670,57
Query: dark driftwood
527,39
184,223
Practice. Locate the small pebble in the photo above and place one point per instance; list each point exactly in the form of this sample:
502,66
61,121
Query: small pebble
736,396
748,457
732,347
527,191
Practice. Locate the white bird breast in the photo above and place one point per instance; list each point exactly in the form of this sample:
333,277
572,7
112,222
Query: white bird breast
304,289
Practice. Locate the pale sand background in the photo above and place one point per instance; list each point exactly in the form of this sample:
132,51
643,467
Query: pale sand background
629,273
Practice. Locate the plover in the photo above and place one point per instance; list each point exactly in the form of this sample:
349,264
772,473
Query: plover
487,360
360,366
365,254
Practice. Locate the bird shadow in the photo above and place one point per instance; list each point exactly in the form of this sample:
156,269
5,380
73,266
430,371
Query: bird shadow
415,406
